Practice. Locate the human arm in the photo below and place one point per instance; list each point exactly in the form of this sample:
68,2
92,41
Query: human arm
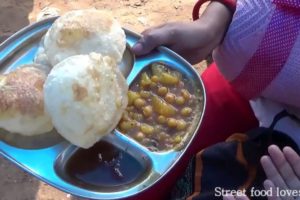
192,40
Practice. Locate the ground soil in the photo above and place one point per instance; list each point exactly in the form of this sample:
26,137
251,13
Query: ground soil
136,15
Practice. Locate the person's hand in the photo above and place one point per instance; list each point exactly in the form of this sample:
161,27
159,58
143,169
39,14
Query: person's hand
282,169
192,40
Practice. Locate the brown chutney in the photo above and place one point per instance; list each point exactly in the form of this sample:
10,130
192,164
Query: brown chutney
161,108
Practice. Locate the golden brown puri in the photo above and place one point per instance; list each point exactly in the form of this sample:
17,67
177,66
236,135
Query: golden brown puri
85,96
82,32
22,101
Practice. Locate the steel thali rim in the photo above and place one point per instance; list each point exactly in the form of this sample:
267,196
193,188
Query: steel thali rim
9,46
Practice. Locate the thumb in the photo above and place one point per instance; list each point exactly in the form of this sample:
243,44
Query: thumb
150,40
145,45
138,49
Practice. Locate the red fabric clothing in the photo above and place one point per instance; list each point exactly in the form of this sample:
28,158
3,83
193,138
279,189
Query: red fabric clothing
226,113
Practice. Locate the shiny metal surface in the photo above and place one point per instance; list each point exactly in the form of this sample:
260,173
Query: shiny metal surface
47,162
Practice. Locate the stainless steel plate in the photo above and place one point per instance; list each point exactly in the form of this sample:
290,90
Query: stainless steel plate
126,168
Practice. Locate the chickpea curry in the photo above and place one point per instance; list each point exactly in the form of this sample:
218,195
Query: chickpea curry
161,108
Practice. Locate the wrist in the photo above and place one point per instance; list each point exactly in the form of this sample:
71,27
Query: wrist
216,18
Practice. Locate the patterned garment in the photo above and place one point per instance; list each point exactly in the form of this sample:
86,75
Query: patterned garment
260,56
235,163
260,52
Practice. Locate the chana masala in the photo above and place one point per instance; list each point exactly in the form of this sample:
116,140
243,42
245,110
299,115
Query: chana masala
161,108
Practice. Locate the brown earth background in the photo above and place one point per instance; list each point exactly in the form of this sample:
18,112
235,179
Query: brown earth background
135,15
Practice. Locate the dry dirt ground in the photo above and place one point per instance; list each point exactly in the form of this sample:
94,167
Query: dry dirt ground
133,14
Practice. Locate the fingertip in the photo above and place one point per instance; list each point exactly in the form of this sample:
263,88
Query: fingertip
275,151
290,154
265,162
264,159
273,147
267,184
137,48
287,149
